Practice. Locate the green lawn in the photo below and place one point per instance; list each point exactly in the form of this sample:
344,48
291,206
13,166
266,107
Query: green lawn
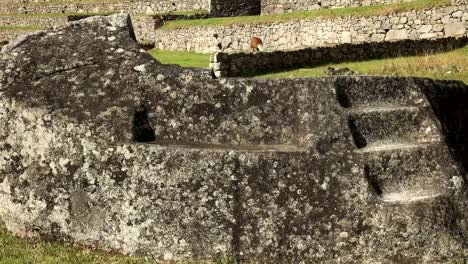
373,10
449,65
184,59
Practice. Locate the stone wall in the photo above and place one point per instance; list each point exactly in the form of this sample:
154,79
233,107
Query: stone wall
248,64
39,21
285,6
7,35
234,7
420,24
144,25
37,1
131,7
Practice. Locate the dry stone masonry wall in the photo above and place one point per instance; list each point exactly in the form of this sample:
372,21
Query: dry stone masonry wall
144,25
421,24
248,64
131,7
224,8
285,6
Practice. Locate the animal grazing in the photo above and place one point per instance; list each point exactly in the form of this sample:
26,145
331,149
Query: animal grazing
256,44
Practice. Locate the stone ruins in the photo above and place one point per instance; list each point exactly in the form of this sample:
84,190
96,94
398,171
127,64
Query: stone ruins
103,146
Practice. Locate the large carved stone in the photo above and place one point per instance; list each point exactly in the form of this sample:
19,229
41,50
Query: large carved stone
102,145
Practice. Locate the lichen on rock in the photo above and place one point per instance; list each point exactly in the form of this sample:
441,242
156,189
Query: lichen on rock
102,145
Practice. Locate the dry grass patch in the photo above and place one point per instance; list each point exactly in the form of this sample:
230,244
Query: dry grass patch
451,65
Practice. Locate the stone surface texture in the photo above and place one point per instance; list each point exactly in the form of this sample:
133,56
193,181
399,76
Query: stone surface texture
286,6
265,170
226,8
450,21
131,6
144,25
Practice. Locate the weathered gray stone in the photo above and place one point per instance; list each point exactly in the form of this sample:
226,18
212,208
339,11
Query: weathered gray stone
455,29
425,28
102,145
396,34
457,14
428,35
313,32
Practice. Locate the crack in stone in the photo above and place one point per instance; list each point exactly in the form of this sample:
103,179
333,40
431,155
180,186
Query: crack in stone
67,68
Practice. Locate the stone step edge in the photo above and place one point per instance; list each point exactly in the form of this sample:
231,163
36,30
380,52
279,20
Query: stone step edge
411,196
261,148
395,146
381,109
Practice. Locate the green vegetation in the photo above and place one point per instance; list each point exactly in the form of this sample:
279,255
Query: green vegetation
184,59
449,65
14,250
372,10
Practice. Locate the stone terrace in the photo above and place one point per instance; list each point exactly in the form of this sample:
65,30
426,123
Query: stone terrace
431,23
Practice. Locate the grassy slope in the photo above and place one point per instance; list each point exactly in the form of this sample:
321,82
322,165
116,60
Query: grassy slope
184,59
372,10
449,65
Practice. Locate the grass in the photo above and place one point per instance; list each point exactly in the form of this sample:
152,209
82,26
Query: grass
449,65
184,59
373,10
26,28
14,250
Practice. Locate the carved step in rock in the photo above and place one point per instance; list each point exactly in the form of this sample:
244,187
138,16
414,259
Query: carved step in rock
359,92
227,147
414,169
392,124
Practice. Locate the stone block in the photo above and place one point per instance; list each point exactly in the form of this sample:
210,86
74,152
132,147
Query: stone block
457,14
438,28
425,28
465,17
170,163
377,37
455,29
346,37
428,35
396,34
